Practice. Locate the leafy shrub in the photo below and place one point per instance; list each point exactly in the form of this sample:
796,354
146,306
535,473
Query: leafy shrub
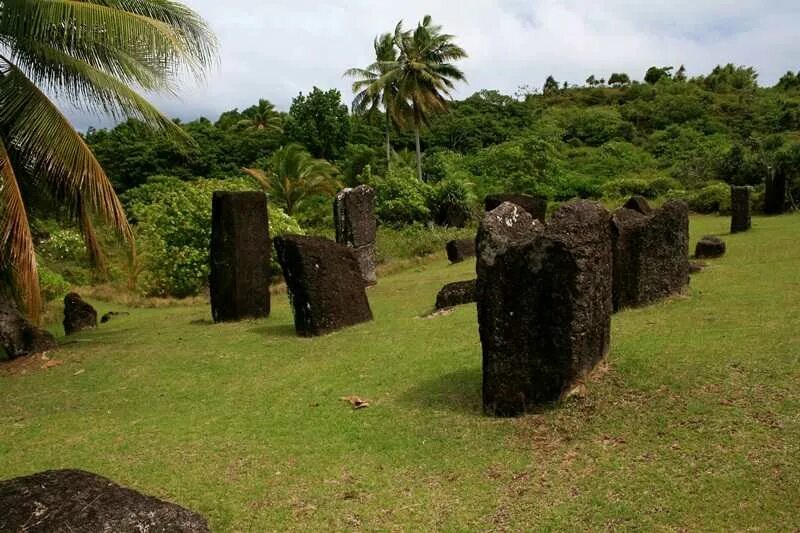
416,241
714,198
450,201
52,284
401,198
64,245
649,188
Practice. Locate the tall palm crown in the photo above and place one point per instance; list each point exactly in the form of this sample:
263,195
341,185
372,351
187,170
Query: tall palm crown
89,53
262,117
294,176
423,75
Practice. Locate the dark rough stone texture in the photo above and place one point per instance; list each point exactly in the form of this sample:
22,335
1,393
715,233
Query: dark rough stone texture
78,315
638,204
775,193
537,207
457,293
740,209
709,247
460,249
356,227
240,256
73,500
111,314
651,254
544,302
326,289
18,337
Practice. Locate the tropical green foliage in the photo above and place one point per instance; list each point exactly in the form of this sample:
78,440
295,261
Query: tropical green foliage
319,122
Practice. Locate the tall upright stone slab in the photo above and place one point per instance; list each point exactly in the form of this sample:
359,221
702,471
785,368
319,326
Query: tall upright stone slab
240,256
356,227
544,302
775,193
740,209
537,207
651,254
326,287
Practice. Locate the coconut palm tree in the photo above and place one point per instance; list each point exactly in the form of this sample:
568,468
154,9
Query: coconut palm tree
293,176
423,76
262,117
371,90
89,53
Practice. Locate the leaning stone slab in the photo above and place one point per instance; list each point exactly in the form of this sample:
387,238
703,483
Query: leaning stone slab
18,336
73,500
544,302
356,226
740,209
460,249
326,288
240,256
709,247
78,315
537,207
651,254
457,293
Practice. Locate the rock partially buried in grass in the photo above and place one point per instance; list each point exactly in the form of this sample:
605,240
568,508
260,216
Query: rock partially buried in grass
460,249
78,315
709,247
536,207
73,500
544,303
19,337
112,314
326,287
457,293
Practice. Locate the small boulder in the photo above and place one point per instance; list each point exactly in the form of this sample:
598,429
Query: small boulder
73,500
18,336
78,315
709,247
460,249
638,204
111,314
536,207
457,293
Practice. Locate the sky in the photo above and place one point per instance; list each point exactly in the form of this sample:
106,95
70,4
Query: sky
275,49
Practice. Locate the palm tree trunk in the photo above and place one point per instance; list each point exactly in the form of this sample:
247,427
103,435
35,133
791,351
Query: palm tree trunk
388,143
419,153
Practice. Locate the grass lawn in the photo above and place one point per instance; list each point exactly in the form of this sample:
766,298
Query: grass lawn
696,424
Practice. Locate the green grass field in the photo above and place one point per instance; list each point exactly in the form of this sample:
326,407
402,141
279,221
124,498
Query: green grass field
695,426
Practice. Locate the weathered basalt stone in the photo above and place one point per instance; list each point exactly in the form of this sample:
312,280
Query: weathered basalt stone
78,315
112,314
638,204
356,227
775,193
544,302
740,209
18,336
326,287
73,500
460,249
651,254
536,207
457,293
709,247
240,256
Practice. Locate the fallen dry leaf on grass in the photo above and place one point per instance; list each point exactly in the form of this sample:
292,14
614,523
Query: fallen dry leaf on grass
355,401
50,363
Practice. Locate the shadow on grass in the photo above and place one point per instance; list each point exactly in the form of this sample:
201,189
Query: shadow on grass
274,330
458,391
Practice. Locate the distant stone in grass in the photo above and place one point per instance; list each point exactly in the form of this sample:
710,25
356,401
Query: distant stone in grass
544,302
18,336
112,314
651,254
695,267
78,315
537,207
73,500
740,209
638,204
457,293
460,249
326,287
709,247
775,193
240,256
356,227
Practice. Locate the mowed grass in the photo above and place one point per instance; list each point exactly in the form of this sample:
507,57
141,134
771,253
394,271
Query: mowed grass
696,424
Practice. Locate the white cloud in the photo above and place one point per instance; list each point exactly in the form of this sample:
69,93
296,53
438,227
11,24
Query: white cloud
275,49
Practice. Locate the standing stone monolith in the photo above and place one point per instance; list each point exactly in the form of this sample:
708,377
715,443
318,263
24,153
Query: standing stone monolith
535,206
740,209
651,254
356,227
240,256
460,249
326,287
544,297
775,192
78,314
